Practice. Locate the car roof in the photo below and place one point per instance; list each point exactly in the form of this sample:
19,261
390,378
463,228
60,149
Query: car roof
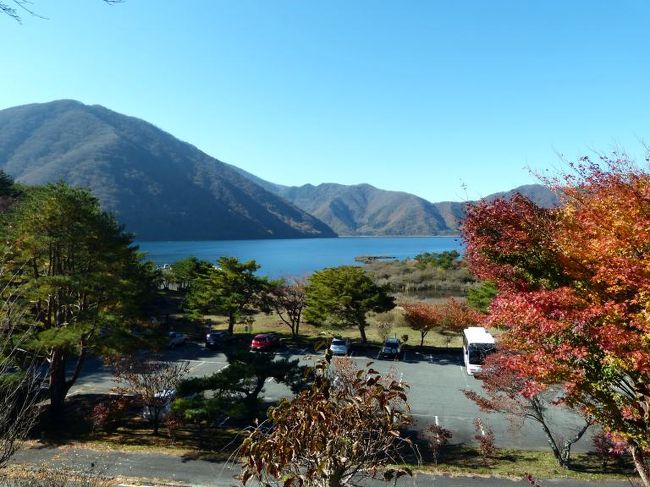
392,340
263,335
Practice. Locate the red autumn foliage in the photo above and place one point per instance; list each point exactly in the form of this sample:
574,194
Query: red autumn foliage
451,316
608,447
422,317
457,315
107,415
437,437
574,292
485,438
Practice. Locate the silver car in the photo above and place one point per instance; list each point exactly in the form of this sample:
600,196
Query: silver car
176,339
340,346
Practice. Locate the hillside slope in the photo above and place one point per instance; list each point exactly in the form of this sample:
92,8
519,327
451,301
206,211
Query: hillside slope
363,209
159,187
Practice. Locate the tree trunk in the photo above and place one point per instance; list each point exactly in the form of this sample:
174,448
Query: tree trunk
362,331
58,386
551,441
641,464
422,335
566,449
335,479
155,420
231,323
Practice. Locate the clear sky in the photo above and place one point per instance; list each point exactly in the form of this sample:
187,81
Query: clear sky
419,96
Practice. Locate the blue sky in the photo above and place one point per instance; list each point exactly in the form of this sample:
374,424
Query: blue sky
427,97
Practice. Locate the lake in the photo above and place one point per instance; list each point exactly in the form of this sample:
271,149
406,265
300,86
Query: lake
298,257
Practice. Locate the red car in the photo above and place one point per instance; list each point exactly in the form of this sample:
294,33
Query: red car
263,342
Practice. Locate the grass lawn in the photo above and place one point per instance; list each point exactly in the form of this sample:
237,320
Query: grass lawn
457,460
263,323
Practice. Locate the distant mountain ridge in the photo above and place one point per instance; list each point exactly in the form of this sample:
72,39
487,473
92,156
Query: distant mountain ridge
362,209
158,186
161,188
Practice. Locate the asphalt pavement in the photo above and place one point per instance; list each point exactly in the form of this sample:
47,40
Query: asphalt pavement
436,384
159,469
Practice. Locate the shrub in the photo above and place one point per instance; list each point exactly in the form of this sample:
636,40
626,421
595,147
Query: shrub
108,414
485,437
437,437
607,447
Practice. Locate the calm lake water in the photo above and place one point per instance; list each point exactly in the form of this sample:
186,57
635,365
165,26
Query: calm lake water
298,257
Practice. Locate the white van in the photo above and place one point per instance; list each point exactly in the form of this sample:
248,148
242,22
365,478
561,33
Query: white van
478,343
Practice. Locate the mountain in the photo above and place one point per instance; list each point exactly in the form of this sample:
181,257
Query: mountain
159,187
537,193
363,209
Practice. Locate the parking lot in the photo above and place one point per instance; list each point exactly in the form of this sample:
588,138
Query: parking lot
436,383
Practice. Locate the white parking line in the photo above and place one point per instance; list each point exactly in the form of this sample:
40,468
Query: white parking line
433,416
206,361
463,372
198,364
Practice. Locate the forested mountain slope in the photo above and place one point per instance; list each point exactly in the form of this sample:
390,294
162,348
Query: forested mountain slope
158,186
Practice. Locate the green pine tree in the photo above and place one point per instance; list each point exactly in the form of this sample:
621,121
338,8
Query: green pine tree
78,276
342,296
231,289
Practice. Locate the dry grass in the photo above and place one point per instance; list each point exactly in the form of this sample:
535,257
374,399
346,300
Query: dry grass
135,434
263,323
508,463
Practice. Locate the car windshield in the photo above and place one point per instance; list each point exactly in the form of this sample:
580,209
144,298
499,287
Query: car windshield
338,342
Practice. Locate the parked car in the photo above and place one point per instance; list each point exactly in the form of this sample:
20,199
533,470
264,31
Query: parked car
215,338
264,342
340,346
392,349
176,339
162,406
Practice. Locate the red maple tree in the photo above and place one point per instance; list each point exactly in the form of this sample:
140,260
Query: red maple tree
574,292
422,317
452,316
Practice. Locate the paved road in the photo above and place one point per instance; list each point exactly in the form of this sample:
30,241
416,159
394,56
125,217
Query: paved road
436,393
157,468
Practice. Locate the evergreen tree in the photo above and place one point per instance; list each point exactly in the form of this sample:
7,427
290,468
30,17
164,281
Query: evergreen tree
231,289
342,296
235,390
77,274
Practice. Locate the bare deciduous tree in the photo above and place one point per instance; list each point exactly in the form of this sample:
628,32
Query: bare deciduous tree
502,393
19,378
152,384
16,8
288,299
